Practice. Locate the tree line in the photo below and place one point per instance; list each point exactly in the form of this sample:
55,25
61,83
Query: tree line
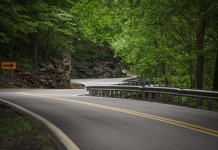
163,39
37,26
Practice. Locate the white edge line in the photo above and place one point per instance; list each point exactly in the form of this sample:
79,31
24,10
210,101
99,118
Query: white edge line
59,134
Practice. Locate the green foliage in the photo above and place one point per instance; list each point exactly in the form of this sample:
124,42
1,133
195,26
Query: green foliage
128,72
77,85
91,51
43,26
95,20
26,63
157,37
10,126
215,104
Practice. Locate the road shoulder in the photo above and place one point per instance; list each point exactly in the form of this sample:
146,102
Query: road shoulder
55,134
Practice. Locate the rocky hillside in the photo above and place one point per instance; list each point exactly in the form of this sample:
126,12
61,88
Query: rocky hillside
58,72
51,68
54,75
100,69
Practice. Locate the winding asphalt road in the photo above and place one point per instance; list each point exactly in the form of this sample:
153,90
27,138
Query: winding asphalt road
96,123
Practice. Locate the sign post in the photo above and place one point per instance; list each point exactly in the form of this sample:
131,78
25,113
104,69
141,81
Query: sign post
4,79
8,66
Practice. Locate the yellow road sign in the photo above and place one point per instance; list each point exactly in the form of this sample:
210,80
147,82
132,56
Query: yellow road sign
9,65
131,68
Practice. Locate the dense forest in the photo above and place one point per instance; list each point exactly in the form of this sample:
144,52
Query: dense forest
171,40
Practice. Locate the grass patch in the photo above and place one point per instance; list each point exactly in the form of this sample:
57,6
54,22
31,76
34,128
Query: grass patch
215,104
128,73
76,85
11,126
18,132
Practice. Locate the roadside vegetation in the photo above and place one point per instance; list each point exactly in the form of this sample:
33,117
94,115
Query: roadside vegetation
171,41
162,39
76,85
18,132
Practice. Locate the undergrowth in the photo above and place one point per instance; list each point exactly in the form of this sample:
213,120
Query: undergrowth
9,126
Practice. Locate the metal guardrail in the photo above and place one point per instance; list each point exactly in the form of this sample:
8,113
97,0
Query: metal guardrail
188,97
139,83
134,82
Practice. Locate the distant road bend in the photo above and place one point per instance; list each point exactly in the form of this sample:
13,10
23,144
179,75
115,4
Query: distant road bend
97,123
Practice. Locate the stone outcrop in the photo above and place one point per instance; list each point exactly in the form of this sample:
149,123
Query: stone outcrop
56,74
103,69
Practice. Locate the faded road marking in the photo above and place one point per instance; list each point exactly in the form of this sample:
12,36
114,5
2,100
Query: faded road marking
162,119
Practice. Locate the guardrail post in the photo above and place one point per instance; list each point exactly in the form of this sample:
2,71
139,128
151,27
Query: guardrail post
172,98
143,83
103,93
96,93
112,93
131,95
121,94
107,93
198,101
137,95
164,97
189,100
91,93
99,93
126,94
209,104
156,96
143,95
149,96
180,99
116,94
146,95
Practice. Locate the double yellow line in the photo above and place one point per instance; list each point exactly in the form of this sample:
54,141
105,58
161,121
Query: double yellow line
144,115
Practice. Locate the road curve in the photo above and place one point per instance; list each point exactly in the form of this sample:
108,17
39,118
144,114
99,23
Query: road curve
96,123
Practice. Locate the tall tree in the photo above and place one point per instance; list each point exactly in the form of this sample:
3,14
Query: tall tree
36,26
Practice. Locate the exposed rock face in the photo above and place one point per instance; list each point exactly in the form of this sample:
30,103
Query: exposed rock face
58,73
103,69
54,75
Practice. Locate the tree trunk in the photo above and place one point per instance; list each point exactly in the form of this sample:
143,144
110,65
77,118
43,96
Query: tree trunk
200,47
36,50
215,78
11,49
47,44
184,36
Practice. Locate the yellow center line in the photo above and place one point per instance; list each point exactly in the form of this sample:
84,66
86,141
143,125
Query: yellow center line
144,115
56,90
44,91
94,80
